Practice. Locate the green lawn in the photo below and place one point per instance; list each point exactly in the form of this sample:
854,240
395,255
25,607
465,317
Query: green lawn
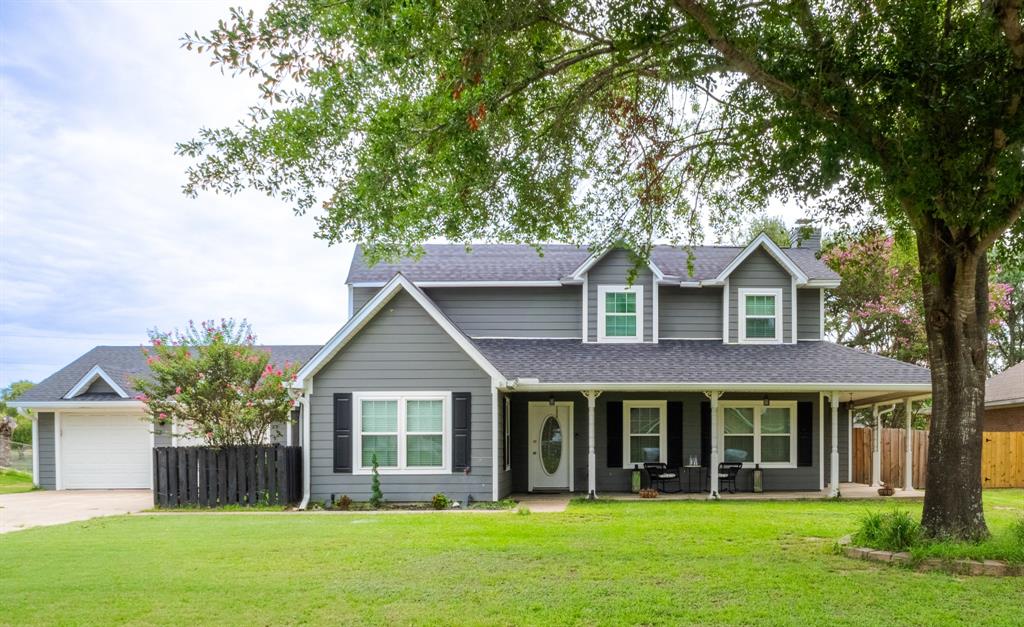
607,563
14,481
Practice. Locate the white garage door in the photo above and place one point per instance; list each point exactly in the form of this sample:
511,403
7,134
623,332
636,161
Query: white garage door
105,452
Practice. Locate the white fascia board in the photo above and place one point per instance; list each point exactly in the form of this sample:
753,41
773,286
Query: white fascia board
763,241
523,385
132,405
824,283
95,373
370,309
431,284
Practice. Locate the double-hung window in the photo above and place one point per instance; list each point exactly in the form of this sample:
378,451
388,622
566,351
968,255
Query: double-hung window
407,431
760,315
644,430
754,433
620,313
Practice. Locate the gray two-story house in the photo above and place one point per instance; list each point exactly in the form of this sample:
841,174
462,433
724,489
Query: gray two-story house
491,371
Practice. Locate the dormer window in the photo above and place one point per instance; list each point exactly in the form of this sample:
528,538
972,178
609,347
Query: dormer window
760,316
620,313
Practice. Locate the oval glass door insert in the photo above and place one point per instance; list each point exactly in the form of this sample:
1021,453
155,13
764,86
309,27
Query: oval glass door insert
551,445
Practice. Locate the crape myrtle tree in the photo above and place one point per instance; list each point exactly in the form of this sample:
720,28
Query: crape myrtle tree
213,384
583,121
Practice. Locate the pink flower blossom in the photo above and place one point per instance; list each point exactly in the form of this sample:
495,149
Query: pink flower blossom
177,390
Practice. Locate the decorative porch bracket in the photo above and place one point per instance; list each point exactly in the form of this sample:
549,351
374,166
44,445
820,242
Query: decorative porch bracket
713,396
591,396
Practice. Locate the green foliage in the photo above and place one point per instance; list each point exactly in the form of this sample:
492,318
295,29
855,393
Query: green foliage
214,384
1006,339
594,121
1017,530
440,501
773,226
376,496
502,504
896,530
344,503
22,431
14,481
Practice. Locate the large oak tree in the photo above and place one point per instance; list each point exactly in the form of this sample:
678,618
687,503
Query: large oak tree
576,120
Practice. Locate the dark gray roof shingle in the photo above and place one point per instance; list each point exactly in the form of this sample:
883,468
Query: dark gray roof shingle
123,363
695,361
520,262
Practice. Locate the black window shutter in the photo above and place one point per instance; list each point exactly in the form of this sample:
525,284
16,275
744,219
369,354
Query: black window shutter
613,411
462,404
674,456
343,432
705,434
805,433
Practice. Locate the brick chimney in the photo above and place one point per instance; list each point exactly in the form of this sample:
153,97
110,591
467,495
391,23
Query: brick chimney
805,235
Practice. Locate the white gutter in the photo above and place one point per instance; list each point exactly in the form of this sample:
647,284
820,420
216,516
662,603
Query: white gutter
61,405
305,402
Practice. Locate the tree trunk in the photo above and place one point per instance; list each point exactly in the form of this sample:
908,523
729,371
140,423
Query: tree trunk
955,286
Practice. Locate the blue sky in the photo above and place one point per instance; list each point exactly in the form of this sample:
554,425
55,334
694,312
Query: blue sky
97,243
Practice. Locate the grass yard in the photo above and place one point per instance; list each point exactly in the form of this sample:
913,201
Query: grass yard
606,563
14,481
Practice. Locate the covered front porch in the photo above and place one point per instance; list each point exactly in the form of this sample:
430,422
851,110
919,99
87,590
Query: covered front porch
587,442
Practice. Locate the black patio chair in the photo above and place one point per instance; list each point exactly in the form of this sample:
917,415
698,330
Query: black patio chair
727,472
661,475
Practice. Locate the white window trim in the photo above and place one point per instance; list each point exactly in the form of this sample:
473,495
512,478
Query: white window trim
602,290
662,407
402,398
758,407
741,323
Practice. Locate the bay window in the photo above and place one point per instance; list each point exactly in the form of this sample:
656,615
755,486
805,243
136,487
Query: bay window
754,433
407,431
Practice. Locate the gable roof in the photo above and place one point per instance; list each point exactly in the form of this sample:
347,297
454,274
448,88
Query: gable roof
371,309
510,263
765,243
120,364
700,364
89,378
593,259
1006,388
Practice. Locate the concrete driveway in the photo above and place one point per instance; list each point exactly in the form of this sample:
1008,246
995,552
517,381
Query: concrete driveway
47,507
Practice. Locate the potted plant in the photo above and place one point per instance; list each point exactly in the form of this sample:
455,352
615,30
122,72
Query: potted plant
886,490
648,493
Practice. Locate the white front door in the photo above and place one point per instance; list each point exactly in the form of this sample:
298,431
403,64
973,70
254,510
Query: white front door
550,445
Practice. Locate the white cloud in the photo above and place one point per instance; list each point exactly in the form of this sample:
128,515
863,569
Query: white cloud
97,243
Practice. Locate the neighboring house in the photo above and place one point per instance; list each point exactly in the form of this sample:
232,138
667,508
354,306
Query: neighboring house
495,371
1004,400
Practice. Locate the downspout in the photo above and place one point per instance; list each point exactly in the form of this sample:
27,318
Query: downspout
305,401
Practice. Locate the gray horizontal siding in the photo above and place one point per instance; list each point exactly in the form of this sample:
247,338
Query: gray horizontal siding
613,269
401,349
759,270
690,313
513,311
99,386
47,454
360,296
808,314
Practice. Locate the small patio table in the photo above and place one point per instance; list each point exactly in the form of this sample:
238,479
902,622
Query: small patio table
694,475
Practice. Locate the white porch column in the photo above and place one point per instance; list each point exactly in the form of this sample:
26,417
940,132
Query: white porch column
876,448
591,396
833,468
908,450
713,396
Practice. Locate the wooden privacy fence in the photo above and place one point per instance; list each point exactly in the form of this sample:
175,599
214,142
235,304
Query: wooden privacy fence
1002,459
212,477
893,456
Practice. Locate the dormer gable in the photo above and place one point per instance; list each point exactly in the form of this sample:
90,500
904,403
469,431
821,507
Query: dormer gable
96,381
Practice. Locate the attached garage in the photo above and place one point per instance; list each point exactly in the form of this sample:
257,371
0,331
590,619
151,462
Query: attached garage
104,451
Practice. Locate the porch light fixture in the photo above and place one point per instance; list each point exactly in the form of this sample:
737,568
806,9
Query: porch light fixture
767,401
551,400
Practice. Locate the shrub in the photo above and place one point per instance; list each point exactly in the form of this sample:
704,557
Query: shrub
344,503
890,531
440,501
376,496
1017,530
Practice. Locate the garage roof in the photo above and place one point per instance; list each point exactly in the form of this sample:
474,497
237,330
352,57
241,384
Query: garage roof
122,364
